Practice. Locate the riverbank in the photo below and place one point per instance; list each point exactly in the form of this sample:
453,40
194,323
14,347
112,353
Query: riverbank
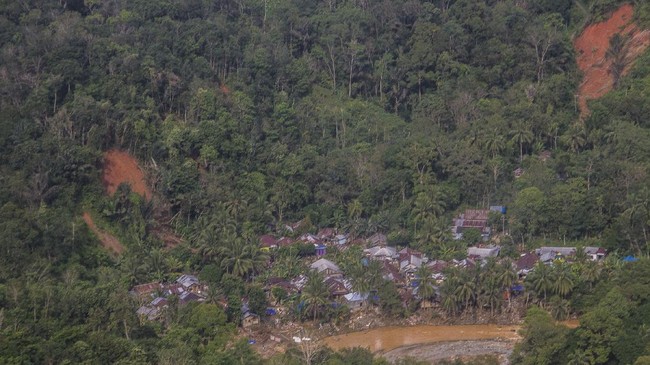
435,342
386,339
464,350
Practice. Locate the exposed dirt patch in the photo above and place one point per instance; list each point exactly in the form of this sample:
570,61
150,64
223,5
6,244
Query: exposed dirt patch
593,61
120,167
108,241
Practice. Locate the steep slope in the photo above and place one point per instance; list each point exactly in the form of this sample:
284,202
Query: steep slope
120,167
108,241
597,64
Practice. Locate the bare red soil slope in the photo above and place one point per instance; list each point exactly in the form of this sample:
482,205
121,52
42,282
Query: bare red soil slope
108,241
121,167
592,46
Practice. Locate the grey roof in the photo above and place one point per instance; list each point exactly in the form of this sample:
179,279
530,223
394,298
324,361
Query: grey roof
188,281
413,262
548,256
483,252
381,251
356,297
564,251
321,265
590,250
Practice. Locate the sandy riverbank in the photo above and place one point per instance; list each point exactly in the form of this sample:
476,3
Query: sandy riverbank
453,350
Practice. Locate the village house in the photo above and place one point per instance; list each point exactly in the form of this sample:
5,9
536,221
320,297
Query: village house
595,253
381,253
190,283
268,242
549,254
526,263
189,296
249,319
299,282
482,253
464,263
310,238
146,291
326,267
173,289
153,310
391,273
337,286
437,268
187,288
285,241
340,239
377,239
472,219
356,301
274,282
409,264
326,234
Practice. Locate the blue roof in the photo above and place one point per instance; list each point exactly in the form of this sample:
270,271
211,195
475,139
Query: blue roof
630,259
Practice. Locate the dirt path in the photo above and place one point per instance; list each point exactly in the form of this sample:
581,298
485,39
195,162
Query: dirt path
120,167
592,45
108,241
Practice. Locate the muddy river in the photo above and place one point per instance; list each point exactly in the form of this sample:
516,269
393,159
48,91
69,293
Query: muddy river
389,338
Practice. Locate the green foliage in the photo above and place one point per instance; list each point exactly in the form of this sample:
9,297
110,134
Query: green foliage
543,341
366,116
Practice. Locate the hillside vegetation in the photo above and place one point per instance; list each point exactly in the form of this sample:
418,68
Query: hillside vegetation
369,116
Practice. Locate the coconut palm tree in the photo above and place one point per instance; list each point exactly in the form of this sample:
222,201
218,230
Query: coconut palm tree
315,295
560,308
563,280
450,301
426,289
466,289
241,258
494,143
521,135
540,280
506,276
591,272
491,292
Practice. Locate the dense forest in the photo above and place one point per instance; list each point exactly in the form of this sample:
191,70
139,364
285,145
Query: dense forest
383,116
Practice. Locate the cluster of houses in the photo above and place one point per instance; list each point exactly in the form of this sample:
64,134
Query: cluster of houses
475,219
155,296
547,255
398,266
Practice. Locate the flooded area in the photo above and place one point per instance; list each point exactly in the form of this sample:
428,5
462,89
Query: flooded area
390,338
386,339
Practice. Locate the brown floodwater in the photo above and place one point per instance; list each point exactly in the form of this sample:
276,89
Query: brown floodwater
389,338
